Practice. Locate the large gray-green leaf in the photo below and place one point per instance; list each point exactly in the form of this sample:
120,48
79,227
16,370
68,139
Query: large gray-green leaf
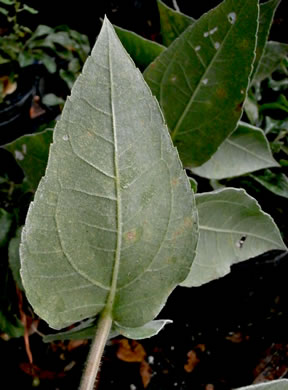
273,55
113,222
246,150
31,154
276,182
202,78
172,23
232,228
280,384
141,50
267,11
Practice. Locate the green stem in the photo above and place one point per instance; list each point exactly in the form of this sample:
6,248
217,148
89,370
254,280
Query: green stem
96,352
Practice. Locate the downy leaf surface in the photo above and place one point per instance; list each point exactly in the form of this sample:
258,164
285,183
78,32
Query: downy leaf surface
232,228
246,150
201,79
280,384
113,225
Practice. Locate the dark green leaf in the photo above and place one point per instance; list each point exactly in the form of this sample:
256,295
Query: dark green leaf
113,225
274,182
68,76
13,327
141,50
31,153
280,104
52,100
25,59
7,2
14,258
30,9
74,66
246,150
267,11
194,184
4,11
172,23
5,225
202,78
48,61
41,30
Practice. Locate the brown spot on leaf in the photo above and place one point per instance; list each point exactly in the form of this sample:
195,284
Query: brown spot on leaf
238,107
187,223
174,181
130,236
221,93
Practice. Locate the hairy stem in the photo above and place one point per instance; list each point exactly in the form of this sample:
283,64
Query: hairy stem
96,352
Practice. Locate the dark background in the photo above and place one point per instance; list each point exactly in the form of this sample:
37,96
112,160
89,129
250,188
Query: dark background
140,16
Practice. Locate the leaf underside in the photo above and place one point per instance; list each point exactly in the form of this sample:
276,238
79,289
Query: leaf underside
246,150
201,79
113,222
280,384
274,53
232,228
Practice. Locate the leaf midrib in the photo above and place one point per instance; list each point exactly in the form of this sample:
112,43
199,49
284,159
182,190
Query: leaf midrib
187,108
229,231
111,297
248,151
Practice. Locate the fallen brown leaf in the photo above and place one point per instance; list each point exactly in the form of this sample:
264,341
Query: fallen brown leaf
35,109
192,361
146,373
236,337
33,370
130,351
73,344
